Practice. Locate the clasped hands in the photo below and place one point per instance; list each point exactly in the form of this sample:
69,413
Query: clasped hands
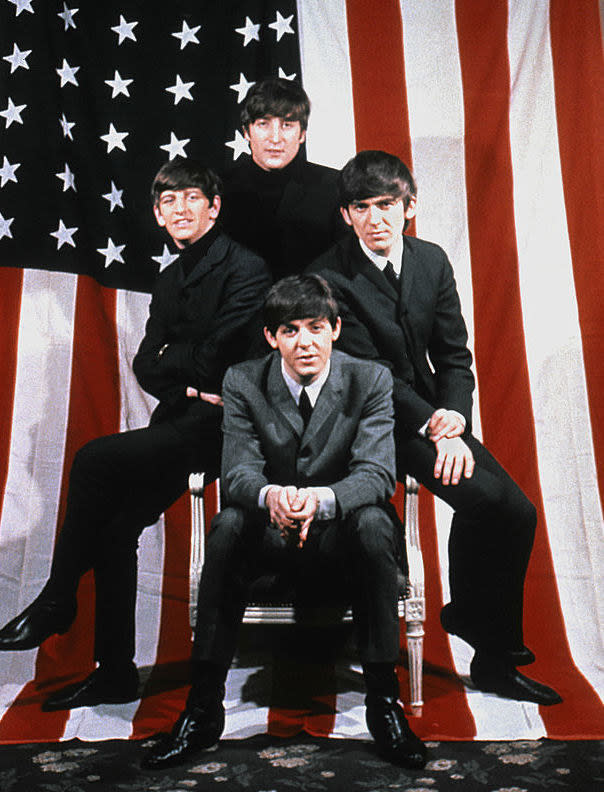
292,510
453,457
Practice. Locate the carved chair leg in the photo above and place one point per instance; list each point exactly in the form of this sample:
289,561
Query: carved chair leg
415,603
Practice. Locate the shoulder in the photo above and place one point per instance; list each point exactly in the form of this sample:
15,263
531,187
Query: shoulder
336,258
319,173
424,249
237,255
367,371
249,374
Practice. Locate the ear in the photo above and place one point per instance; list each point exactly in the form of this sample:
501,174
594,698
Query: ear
335,333
246,133
302,136
270,338
411,209
345,215
214,210
158,216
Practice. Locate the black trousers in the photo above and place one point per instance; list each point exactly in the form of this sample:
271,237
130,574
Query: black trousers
491,538
354,559
119,484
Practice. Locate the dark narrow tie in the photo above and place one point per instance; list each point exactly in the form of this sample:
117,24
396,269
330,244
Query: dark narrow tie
391,275
305,407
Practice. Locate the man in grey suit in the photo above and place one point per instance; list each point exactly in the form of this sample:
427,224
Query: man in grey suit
307,472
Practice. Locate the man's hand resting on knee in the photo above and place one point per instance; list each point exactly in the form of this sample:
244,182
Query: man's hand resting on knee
453,458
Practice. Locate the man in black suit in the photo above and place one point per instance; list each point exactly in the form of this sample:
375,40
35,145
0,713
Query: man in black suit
201,308
307,471
399,305
276,203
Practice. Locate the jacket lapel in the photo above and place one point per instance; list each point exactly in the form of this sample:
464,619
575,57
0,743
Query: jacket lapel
410,264
281,399
329,401
214,256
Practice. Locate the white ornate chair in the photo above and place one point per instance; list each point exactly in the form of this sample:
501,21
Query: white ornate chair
411,606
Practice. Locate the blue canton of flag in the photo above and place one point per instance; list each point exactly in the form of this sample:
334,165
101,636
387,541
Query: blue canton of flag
95,97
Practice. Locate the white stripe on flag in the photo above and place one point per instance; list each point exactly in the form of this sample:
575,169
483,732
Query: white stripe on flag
554,349
29,514
326,76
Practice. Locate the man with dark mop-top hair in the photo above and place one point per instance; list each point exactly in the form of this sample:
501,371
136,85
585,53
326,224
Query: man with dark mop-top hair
307,473
399,306
201,314
276,202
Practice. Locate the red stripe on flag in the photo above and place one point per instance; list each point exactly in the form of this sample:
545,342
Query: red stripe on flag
580,116
378,77
93,411
11,283
446,711
500,345
167,687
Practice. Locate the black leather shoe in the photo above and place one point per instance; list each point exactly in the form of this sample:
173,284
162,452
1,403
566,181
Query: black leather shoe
43,618
100,687
495,676
392,734
455,626
197,728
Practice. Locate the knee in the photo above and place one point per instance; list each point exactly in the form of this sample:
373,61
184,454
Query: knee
226,530
372,530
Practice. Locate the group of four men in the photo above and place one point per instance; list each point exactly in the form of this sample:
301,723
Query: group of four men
312,439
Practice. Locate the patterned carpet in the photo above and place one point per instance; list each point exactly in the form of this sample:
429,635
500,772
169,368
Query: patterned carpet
264,764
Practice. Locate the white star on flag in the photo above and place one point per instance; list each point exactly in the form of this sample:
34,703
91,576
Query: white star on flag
111,252
12,113
239,145
285,76
18,58
67,73
67,178
181,90
249,31
67,15
5,224
7,172
242,87
118,85
22,5
176,147
281,25
124,30
166,258
114,197
114,139
66,126
64,235
187,35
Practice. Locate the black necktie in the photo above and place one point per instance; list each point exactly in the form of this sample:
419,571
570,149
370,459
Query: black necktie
305,407
391,275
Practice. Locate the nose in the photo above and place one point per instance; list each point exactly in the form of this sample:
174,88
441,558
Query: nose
375,214
180,203
304,337
275,130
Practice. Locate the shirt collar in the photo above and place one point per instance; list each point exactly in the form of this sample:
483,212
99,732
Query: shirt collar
313,390
395,257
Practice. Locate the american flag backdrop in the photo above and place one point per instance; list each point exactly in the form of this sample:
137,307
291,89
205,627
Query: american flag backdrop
497,107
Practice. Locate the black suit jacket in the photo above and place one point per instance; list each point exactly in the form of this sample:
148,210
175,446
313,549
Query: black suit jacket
403,330
347,445
289,217
206,318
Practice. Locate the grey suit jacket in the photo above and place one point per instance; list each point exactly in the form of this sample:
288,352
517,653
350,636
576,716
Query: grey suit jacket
348,444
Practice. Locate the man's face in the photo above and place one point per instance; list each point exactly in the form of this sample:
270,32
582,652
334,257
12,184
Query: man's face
305,346
274,141
186,214
378,221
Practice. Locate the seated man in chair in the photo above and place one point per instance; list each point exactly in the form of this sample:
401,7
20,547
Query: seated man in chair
307,472
202,306
400,306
